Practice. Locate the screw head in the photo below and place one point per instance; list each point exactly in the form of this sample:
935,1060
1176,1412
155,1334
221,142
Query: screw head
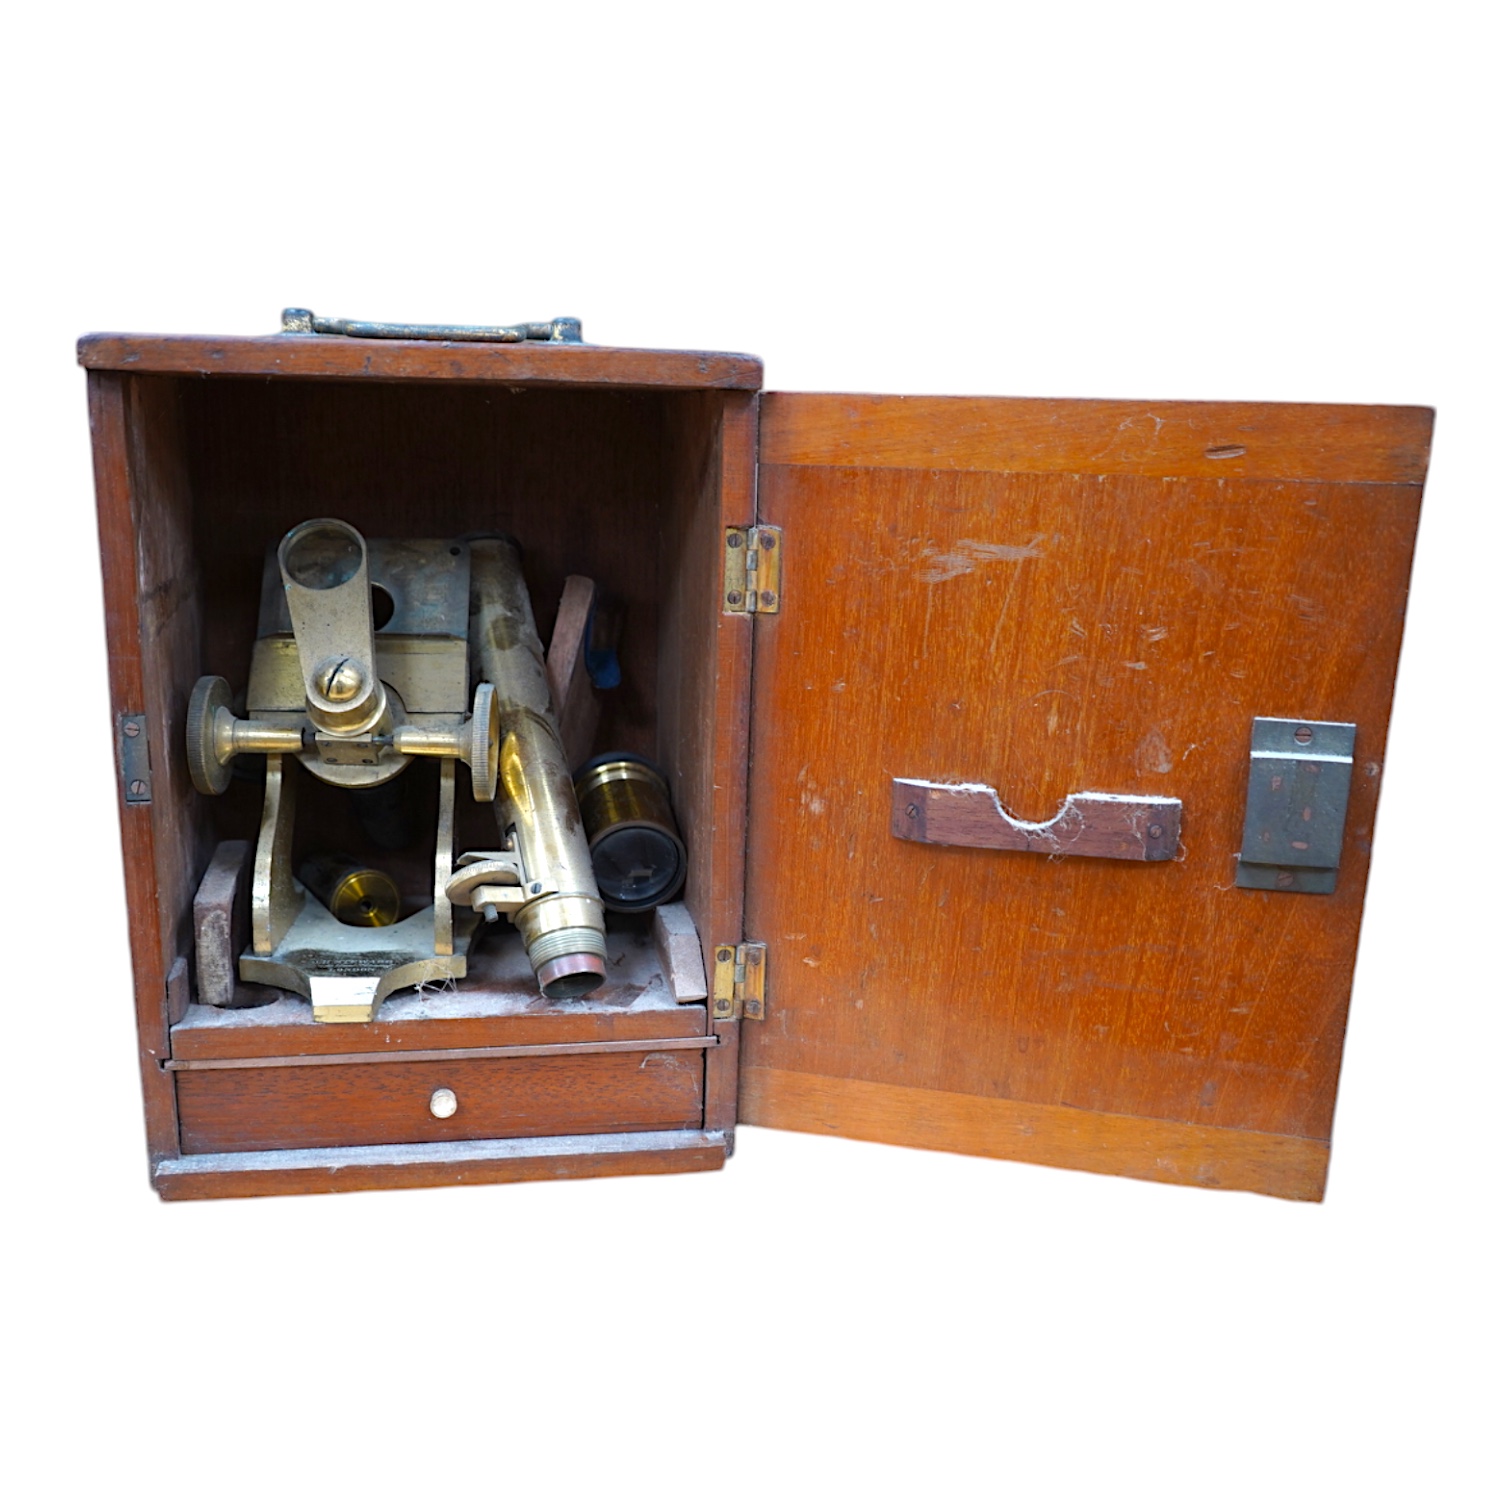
1302,735
1284,879
767,541
724,955
912,811
1156,831
733,539
768,597
732,597
341,681
136,787
132,729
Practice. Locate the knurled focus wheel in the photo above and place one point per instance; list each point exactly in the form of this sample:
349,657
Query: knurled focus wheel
209,774
485,743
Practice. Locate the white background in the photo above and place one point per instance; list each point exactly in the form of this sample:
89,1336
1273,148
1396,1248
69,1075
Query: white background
1157,200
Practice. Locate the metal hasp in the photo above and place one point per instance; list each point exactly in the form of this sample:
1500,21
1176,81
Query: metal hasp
1294,815
564,329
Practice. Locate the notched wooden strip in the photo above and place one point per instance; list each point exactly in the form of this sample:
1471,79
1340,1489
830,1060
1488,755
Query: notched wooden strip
1114,826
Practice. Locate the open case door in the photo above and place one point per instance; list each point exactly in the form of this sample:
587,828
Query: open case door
1084,606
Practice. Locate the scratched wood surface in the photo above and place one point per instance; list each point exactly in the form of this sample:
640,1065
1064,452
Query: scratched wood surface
1053,596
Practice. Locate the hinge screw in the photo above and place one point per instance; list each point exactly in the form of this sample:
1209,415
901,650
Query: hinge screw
767,541
733,539
724,955
733,597
1156,831
1284,879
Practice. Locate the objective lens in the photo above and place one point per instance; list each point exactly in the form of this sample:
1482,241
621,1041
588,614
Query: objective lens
639,859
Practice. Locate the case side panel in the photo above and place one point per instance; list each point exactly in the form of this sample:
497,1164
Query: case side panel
118,526
704,695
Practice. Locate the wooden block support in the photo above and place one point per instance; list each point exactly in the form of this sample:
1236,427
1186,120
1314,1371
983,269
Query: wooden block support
572,692
222,921
681,956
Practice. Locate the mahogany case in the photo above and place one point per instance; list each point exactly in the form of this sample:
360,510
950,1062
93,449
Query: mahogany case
1044,598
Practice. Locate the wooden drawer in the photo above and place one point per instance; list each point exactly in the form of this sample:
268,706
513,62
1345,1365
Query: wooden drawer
304,1107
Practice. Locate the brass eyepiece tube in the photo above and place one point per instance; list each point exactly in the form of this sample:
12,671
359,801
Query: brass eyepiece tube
564,931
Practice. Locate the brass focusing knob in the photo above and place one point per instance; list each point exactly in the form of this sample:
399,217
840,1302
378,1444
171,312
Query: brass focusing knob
209,731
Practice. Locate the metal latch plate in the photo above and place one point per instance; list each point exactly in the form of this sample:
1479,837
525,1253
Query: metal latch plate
1294,815
135,760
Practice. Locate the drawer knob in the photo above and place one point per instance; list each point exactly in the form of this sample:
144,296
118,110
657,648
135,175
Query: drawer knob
443,1102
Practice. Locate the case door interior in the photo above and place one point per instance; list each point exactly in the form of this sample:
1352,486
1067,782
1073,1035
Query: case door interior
1055,598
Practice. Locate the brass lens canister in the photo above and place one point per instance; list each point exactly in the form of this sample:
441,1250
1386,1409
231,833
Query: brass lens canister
639,859
354,893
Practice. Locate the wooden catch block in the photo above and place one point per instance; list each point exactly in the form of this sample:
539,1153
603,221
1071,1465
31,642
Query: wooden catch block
1115,826
222,922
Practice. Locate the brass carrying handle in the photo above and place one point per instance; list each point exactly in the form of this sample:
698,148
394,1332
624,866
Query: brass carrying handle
303,323
1114,826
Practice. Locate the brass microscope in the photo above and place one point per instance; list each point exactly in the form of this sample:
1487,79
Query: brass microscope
453,673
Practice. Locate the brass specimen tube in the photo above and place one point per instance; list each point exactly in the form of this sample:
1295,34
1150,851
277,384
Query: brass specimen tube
564,932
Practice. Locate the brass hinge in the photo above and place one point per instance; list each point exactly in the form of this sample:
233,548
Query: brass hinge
753,569
740,981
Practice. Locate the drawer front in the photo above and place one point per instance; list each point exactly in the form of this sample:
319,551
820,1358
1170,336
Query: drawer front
309,1107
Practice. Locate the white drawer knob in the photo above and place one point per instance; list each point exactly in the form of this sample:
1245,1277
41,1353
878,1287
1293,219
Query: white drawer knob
443,1102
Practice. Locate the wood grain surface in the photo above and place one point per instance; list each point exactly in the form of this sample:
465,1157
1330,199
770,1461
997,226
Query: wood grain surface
1020,593
291,1107
287,1028
1340,443
704,688
1113,1144
119,486
528,363
354,1168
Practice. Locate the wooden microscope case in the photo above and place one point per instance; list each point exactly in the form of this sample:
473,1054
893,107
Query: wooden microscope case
845,618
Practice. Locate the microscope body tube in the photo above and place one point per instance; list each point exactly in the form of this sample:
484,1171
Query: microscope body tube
564,932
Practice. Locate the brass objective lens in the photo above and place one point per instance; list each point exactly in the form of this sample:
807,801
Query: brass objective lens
354,893
639,859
